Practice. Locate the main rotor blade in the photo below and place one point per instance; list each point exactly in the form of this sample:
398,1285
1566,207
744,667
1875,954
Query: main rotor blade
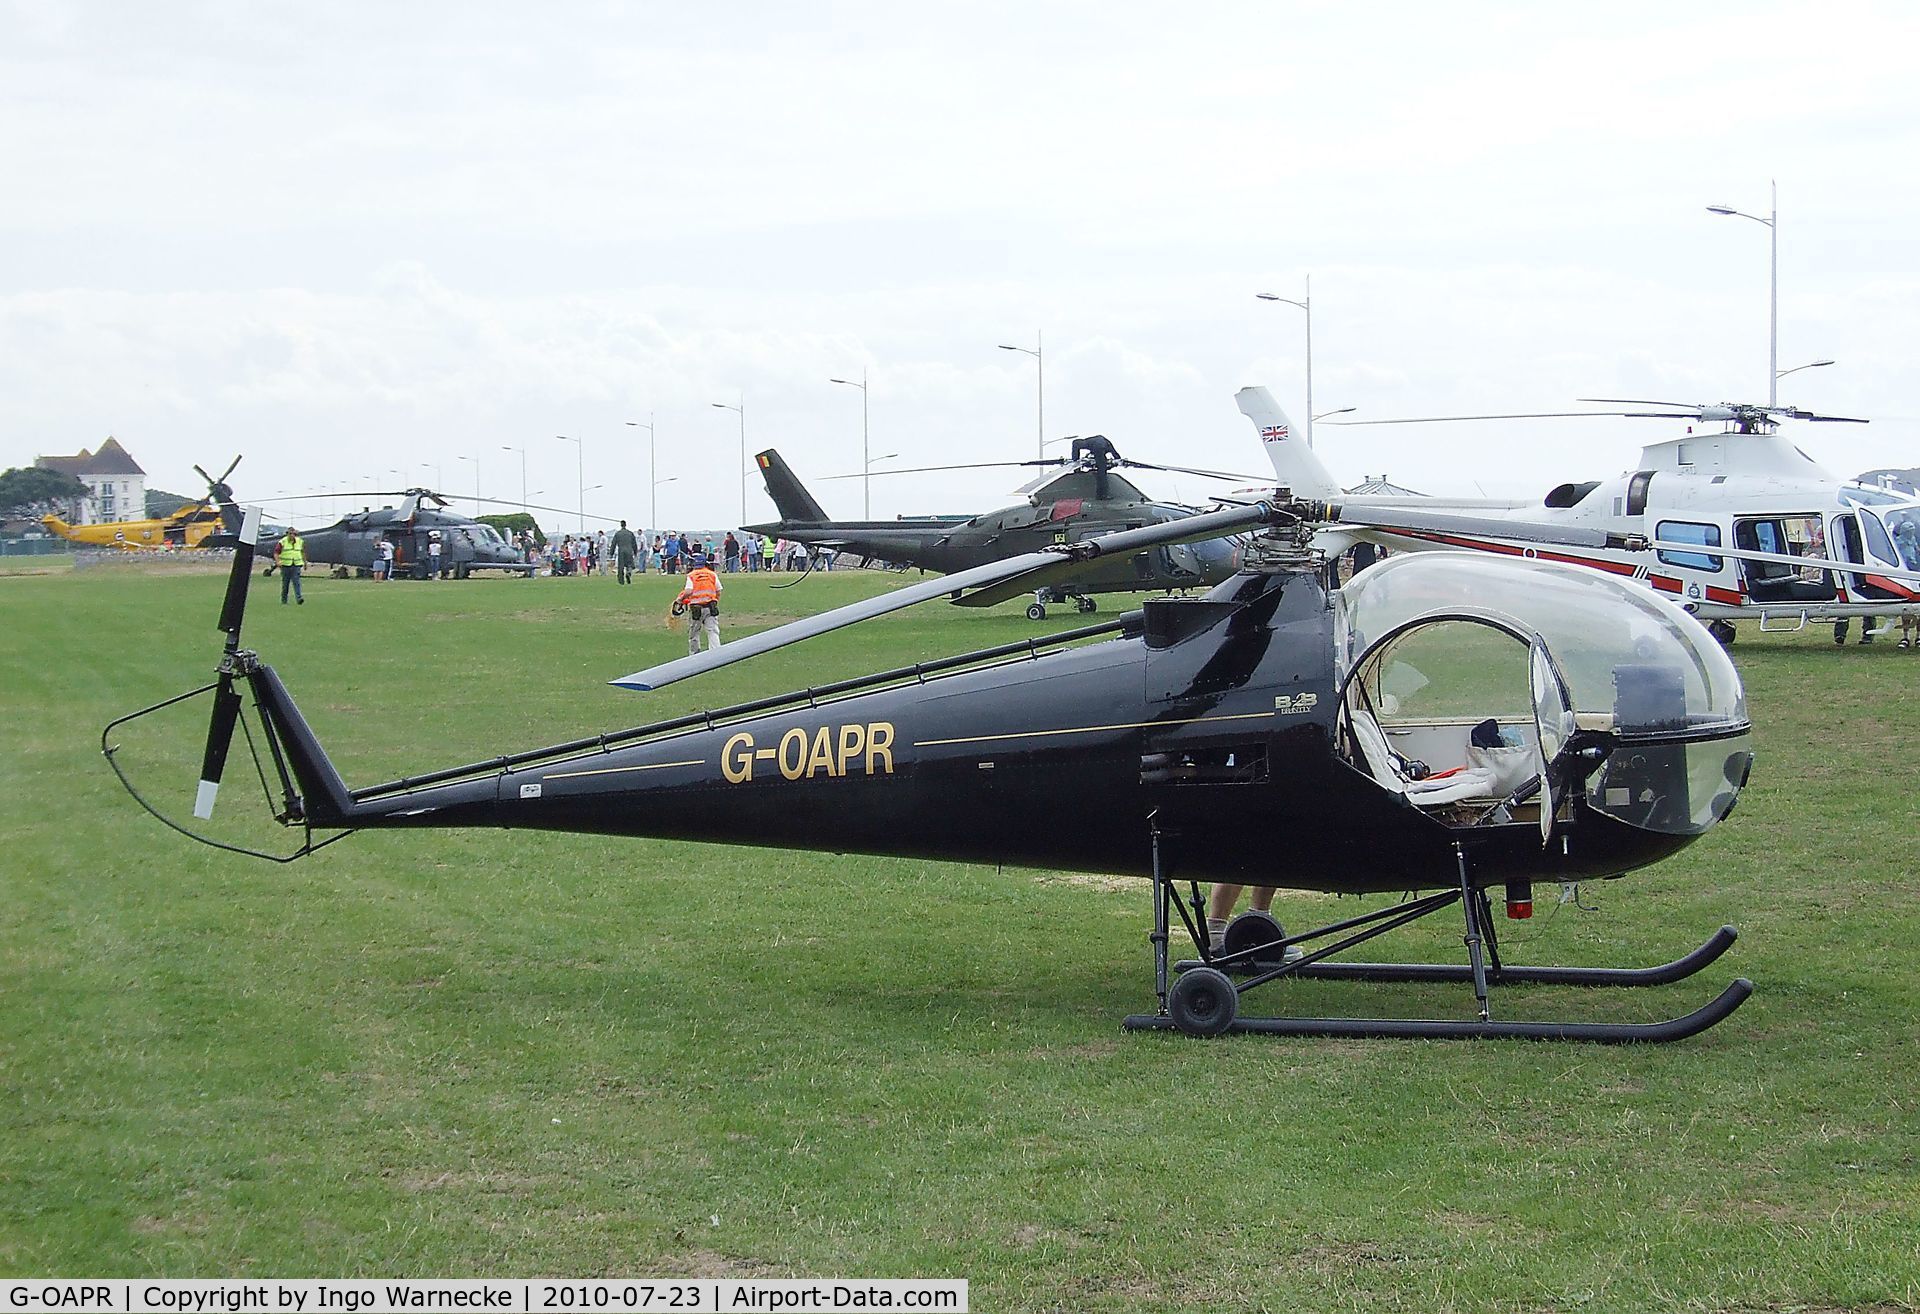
1690,407
971,465
1184,469
1440,522
1524,415
1034,568
1788,559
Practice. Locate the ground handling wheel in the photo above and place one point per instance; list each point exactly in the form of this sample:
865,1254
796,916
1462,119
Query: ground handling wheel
1036,612
1249,931
1723,631
1084,605
1203,1002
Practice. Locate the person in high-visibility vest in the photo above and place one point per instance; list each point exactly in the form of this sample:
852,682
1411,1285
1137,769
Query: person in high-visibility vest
700,600
288,556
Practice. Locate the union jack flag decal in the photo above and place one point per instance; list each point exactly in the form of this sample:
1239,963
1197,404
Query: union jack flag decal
1274,433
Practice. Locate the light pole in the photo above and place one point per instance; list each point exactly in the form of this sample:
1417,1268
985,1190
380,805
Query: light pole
1772,221
523,474
866,479
867,471
580,451
653,506
475,462
741,410
1810,365
1040,387
1306,304
656,498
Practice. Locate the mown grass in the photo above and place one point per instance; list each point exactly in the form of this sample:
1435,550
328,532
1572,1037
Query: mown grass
515,1053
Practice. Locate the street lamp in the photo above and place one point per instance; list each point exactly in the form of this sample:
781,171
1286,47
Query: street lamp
656,498
523,474
867,471
1040,387
653,507
1324,414
866,480
476,474
1810,365
1306,304
580,450
741,410
1772,221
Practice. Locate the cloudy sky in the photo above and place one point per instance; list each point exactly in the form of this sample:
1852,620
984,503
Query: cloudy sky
374,244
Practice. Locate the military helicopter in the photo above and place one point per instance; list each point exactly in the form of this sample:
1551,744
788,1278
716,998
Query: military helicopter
1272,732
352,542
1082,498
1746,487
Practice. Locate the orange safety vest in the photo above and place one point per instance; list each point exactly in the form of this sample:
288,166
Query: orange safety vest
703,587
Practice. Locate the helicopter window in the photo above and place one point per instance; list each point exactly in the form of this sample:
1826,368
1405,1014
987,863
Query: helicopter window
1904,526
1687,531
1877,540
1779,581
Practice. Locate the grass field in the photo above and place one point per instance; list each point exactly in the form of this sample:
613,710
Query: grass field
512,1053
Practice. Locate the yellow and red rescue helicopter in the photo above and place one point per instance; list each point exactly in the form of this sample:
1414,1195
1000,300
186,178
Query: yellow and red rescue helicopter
1270,733
188,526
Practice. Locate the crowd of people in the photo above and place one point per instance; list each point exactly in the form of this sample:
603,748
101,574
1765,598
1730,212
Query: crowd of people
667,552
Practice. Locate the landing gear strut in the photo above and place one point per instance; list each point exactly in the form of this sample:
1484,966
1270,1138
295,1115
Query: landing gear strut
1204,999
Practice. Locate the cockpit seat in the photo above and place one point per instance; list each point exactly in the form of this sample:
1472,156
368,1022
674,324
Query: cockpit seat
1488,773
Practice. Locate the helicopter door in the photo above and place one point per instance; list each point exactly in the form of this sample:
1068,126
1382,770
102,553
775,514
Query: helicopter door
1846,543
1553,722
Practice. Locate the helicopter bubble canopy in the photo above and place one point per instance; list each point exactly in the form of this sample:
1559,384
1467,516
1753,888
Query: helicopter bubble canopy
1635,667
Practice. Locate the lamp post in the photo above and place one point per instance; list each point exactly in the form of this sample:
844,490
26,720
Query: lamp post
653,507
580,451
656,498
1810,365
523,474
867,470
1040,388
475,462
1772,221
741,410
866,479
1324,414
1306,304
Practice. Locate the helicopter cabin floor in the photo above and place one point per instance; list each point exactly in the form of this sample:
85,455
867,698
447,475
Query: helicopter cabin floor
487,1053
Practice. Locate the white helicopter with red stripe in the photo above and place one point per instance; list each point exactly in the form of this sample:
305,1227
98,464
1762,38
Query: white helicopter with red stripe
1739,524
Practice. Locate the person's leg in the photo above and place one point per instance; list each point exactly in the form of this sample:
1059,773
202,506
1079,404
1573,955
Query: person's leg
693,636
286,574
1220,901
713,631
298,596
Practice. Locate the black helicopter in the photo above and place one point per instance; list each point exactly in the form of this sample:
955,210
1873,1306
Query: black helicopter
352,543
1269,733
1085,499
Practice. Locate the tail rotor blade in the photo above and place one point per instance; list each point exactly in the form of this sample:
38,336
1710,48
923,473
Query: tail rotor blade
213,763
234,608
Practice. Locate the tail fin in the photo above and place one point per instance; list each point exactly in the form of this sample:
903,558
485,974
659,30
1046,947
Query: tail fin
795,502
1294,463
57,526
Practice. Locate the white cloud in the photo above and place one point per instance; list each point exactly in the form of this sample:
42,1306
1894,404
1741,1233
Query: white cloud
354,239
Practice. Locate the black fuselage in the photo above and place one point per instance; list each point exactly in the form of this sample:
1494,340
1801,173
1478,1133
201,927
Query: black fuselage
1212,720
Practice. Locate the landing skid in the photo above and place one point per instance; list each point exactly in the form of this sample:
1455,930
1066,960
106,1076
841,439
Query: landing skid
1205,999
